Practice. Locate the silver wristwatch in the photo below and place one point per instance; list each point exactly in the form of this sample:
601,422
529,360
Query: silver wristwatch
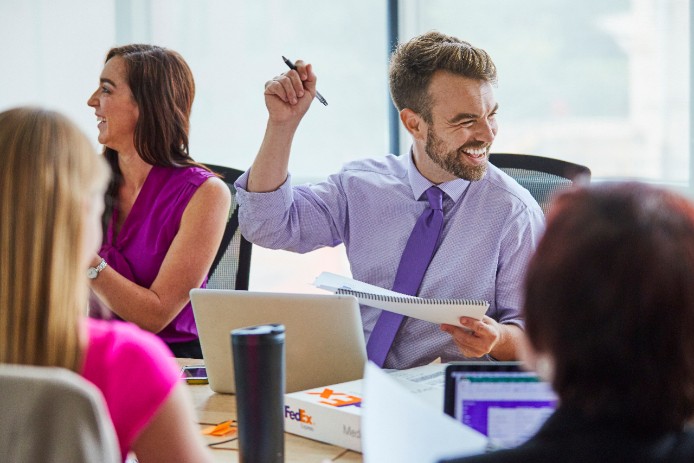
93,272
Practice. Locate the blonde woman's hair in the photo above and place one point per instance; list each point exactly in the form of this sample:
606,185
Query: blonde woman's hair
48,174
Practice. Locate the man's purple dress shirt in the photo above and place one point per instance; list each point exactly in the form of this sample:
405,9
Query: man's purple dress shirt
491,227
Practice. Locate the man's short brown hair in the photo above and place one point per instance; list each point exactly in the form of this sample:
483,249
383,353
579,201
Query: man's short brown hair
414,63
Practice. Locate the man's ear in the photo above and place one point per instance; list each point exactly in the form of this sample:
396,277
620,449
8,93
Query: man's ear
414,124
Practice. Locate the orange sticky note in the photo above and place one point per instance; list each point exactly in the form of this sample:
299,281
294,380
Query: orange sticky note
222,429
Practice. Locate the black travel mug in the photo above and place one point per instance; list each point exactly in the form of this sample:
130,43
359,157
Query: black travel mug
258,353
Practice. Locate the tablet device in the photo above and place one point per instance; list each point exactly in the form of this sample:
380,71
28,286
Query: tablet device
499,399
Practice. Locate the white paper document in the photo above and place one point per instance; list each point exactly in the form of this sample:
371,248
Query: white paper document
432,310
397,426
333,282
427,381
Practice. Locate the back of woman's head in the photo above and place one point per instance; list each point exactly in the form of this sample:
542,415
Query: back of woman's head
163,88
610,296
48,173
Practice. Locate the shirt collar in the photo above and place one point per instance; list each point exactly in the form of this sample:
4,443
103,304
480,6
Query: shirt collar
454,189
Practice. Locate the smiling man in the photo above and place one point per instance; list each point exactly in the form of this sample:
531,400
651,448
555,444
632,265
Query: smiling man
439,222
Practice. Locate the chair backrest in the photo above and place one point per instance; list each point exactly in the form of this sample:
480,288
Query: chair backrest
232,264
541,176
53,415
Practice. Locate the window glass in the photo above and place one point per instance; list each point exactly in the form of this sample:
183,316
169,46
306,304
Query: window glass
233,48
604,84
52,53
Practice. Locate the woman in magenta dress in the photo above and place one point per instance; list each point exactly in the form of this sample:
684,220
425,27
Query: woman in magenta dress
165,214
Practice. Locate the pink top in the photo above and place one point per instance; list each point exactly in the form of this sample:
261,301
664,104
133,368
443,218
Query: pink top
138,251
134,371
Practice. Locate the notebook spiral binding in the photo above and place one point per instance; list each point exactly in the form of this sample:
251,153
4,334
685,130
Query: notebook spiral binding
409,299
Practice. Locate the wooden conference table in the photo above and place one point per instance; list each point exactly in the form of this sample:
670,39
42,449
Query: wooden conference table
213,408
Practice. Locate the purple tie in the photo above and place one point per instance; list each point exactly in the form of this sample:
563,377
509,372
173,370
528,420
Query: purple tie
419,251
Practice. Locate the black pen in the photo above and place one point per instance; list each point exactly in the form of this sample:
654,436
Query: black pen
318,95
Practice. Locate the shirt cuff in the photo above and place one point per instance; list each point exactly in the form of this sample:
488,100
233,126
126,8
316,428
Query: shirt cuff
264,204
520,323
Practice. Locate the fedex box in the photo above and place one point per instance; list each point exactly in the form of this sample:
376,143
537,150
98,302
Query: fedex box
330,414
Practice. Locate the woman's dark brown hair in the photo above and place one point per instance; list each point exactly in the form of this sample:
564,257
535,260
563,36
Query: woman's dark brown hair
610,296
163,88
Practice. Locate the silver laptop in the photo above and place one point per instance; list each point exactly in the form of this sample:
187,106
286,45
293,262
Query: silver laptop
324,341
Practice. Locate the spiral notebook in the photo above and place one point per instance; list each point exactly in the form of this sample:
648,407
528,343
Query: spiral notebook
436,311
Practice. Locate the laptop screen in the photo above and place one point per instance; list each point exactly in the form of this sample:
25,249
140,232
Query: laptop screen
498,399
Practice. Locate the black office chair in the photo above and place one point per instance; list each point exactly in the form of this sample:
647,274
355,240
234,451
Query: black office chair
232,264
541,176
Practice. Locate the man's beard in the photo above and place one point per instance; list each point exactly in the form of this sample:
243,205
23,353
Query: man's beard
451,162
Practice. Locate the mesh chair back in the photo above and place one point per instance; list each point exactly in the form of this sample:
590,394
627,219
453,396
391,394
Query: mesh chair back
232,264
542,177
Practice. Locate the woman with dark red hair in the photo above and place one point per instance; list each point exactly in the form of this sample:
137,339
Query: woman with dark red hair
609,309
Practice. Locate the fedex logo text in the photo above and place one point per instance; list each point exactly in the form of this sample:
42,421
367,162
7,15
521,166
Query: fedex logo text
300,416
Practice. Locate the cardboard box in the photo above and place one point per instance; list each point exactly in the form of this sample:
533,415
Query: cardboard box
332,414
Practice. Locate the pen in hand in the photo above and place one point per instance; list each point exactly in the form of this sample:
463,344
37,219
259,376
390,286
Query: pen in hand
318,95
